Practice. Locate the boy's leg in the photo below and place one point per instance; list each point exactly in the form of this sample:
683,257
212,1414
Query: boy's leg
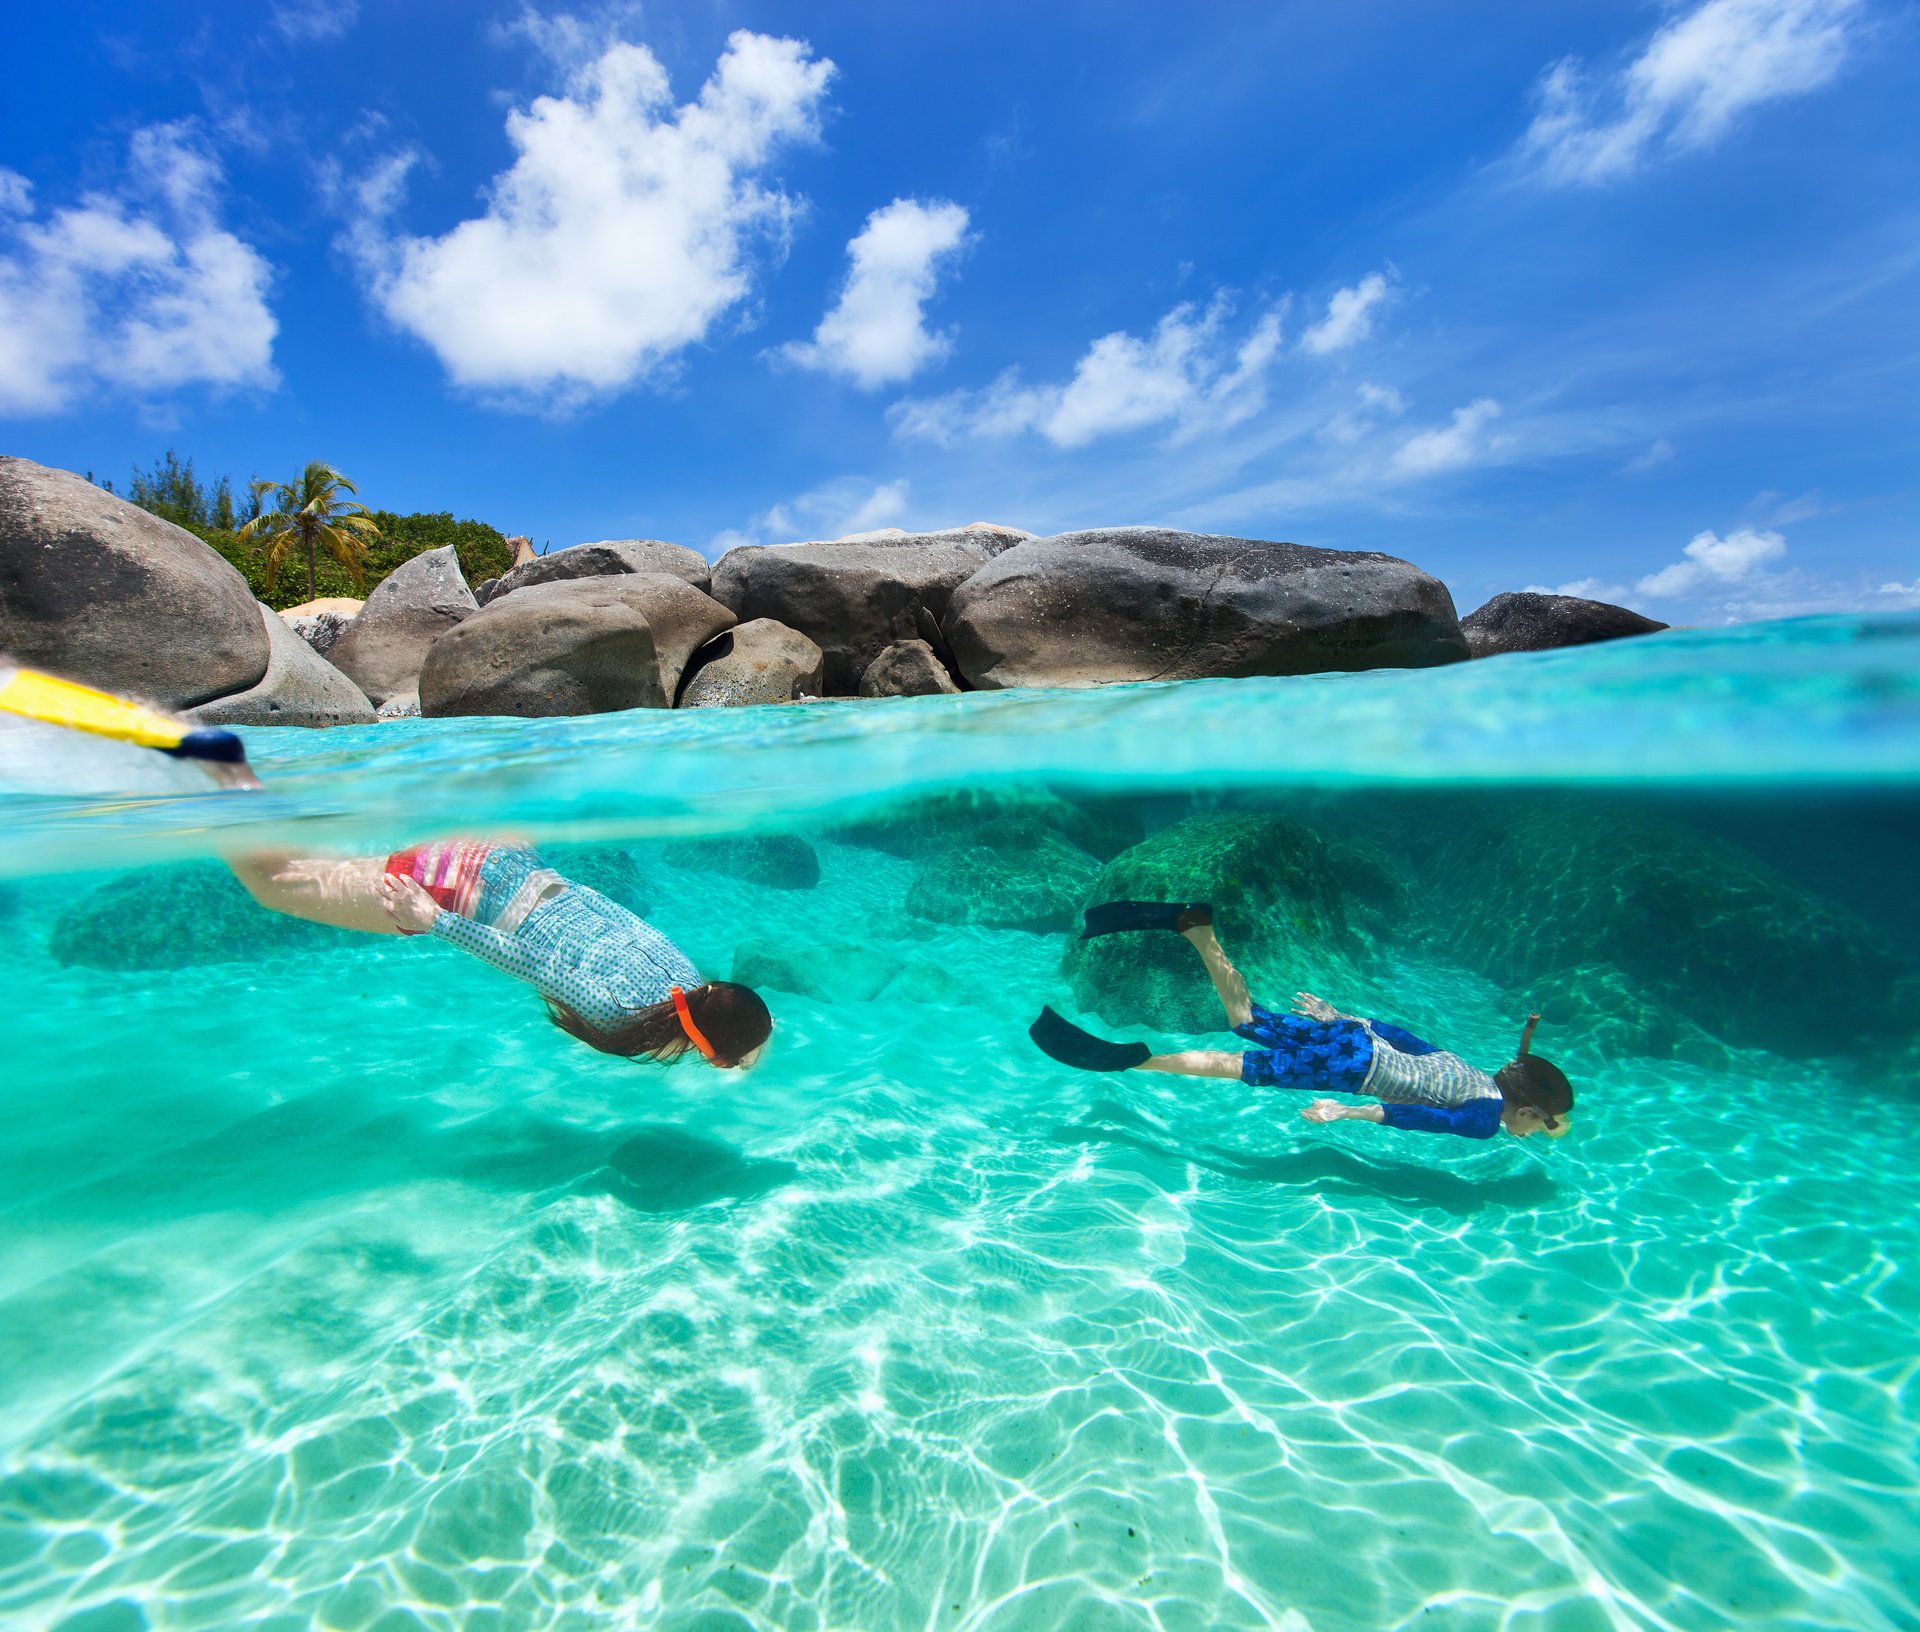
1227,980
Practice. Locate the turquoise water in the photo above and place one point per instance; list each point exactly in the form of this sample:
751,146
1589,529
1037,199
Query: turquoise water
338,1289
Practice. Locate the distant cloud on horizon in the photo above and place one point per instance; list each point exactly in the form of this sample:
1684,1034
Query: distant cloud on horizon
621,234
140,289
876,333
1694,79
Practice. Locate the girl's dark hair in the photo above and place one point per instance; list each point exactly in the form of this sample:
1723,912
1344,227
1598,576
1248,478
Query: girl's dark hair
1540,1083
730,1016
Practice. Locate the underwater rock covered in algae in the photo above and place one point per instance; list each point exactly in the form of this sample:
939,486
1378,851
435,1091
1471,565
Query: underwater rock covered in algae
603,867
918,828
1019,874
1279,908
782,861
178,917
1526,889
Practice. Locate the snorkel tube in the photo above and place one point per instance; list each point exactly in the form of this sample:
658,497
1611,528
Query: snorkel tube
694,1034
1526,1036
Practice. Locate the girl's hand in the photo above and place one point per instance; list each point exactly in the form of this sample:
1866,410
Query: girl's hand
1325,1110
407,903
1309,1007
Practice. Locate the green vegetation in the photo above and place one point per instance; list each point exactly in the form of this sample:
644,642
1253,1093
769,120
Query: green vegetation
171,489
310,515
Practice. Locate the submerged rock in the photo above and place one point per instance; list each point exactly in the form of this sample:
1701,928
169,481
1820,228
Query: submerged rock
1148,603
383,650
1524,621
959,818
1526,888
757,662
604,867
847,971
300,687
783,861
99,590
1029,879
178,917
1278,907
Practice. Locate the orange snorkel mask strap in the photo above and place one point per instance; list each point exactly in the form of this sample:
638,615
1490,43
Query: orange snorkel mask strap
694,1034
1526,1037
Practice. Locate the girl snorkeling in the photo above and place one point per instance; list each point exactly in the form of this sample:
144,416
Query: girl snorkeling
609,977
1316,1046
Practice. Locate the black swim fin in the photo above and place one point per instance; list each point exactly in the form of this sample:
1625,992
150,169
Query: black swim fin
1110,917
1067,1043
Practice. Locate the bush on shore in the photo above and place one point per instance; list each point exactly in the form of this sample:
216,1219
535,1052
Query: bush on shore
172,491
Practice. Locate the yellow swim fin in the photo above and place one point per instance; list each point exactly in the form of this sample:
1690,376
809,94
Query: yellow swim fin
52,701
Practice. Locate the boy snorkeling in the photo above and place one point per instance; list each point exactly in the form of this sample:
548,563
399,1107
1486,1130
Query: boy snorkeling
1316,1046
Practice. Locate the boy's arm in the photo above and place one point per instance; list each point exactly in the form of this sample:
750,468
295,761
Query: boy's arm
1470,1121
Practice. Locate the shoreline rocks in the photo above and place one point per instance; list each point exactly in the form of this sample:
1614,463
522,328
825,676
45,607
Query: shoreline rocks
757,662
1146,603
94,588
98,590
383,649
855,597
1528,621
300,688
610,559
580,646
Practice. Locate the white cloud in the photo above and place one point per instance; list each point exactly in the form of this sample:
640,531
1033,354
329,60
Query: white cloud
142,290
1349,318
1587,589
1450,446
1905,594
1711,562
1188,375
833,510
1377,403
301,20
877,333
1658,454
1687,88
621,234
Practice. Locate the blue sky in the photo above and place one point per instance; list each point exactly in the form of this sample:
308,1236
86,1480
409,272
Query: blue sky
1605,296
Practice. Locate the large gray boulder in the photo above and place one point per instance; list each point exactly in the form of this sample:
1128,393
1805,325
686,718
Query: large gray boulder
583,646
382,650
1146,603
96,589
1526,621
907,668
300,687
757,662
605,560
856,596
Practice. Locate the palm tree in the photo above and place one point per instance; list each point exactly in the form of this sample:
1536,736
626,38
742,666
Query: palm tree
309,513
